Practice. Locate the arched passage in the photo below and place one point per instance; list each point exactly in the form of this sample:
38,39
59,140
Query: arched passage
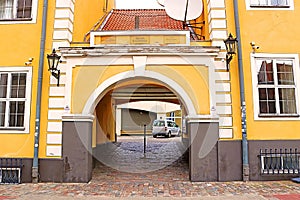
199,126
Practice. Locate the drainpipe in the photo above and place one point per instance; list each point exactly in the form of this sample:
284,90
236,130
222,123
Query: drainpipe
35,164
242,95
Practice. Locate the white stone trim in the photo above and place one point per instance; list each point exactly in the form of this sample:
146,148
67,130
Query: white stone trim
78,117
54,151
57,91
223,98
62,35
55,114
226,110
62,80
64,14
218,23
54,138
54,127
132,33
56,102
225,121
216,4
225,133
223,76
139,63
62,24
223,87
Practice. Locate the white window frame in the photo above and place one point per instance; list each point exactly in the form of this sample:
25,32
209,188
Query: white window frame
255,69
249,7
28,71
33,20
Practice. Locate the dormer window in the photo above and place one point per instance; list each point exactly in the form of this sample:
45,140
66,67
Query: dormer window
15,10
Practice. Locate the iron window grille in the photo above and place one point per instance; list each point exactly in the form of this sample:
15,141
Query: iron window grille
279,161
15,10
10,170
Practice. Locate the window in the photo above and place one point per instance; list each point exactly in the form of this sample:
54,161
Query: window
269,4
275,86
16,10
14,100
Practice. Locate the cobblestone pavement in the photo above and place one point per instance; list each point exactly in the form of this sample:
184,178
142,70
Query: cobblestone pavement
163,172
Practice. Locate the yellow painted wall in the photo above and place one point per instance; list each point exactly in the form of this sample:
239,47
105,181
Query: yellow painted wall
106,120
86,15
20,42
275,31
82,89
191,78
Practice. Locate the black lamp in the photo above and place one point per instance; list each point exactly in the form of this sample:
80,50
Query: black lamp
53,60
231,44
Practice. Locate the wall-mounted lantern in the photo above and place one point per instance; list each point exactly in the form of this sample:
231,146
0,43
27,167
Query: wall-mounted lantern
231,45
53,60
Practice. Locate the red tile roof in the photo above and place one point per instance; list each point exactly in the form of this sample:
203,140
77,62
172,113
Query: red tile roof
140,19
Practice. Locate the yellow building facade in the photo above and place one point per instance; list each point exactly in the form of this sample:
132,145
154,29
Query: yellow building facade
242,123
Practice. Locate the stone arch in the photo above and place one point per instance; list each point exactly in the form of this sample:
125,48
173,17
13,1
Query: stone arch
96,96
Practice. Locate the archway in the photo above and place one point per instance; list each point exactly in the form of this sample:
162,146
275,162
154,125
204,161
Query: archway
202,130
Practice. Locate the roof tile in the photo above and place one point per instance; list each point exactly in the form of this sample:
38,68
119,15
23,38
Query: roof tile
140,19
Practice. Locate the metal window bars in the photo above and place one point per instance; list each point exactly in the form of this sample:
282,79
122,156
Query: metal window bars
280,161
10,170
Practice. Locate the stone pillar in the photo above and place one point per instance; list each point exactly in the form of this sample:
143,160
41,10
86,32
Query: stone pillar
203,154
77,147
118,121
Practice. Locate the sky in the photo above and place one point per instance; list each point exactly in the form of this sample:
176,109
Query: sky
135,4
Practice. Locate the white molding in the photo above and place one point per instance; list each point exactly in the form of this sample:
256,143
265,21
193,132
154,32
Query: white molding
62,80
253,57
225,121
223,87
54,138
225,133
227,110
54,151
217,4
56,102
217,23
64,14
62,35
139,63
78,118
223,98
55,114
54,127
223,76
133,33
57,91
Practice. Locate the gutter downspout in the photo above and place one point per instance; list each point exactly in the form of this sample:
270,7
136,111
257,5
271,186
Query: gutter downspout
242,95
35,164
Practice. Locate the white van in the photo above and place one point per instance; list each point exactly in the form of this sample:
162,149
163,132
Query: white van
165,128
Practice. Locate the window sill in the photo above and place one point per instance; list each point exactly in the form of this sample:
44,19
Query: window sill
266,6
13,20
278,115
12,129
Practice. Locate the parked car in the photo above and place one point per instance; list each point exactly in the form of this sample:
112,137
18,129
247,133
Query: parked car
165,128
